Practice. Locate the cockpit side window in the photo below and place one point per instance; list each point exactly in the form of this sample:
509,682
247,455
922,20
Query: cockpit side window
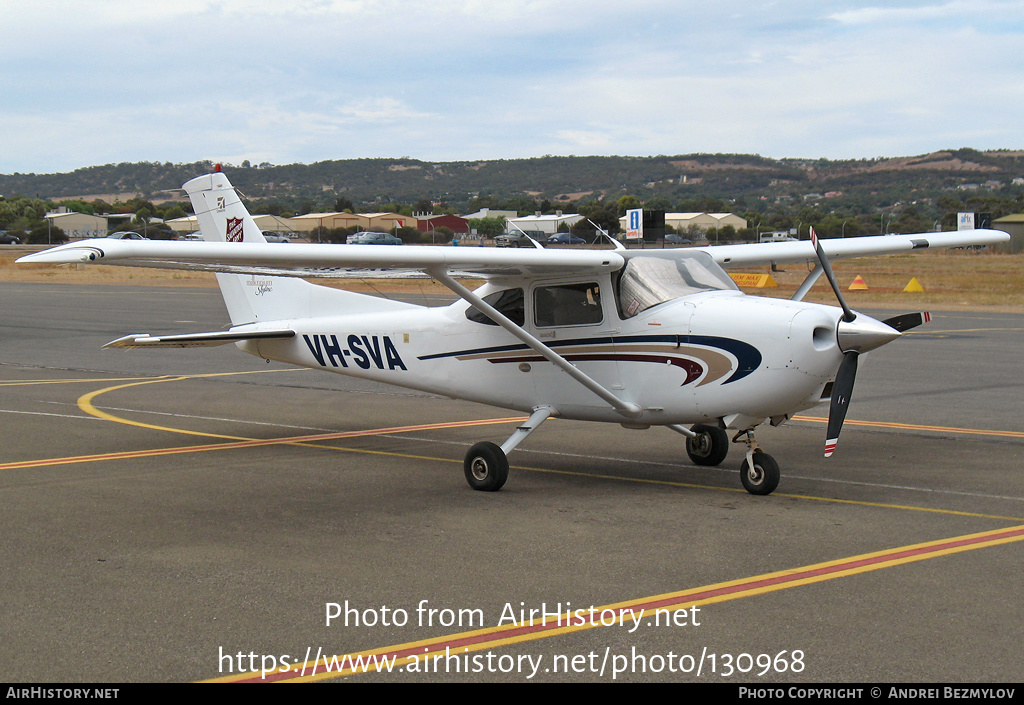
509,303
567,305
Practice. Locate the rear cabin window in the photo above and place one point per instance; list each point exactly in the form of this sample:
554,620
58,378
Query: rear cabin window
509,303
567,305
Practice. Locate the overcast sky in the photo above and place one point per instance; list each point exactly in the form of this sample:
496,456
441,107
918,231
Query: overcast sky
89,82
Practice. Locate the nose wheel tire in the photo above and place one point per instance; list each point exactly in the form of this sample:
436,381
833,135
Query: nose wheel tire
761,478
486,467
709,446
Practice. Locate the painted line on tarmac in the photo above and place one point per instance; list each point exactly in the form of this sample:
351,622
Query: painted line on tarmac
48,413
150,378
34,382
237,442
423,656
740,490
647,463
917,427
963,330
232,443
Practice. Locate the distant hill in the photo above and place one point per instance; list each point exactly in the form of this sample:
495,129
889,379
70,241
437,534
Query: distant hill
743,178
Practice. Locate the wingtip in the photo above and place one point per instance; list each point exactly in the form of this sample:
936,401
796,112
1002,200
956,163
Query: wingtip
69,253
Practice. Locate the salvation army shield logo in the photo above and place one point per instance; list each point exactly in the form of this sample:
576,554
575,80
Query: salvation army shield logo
234,233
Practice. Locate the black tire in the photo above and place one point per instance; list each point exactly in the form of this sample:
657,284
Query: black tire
486,467
763,478
709,447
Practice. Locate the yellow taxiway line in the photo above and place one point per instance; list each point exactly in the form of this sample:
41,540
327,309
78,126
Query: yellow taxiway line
417,656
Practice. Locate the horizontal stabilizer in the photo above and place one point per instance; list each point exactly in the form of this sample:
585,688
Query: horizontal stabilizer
195,340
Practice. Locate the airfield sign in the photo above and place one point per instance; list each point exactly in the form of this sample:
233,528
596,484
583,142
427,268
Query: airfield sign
635,224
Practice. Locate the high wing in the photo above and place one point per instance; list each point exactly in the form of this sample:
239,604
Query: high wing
330,261
730,256
343,261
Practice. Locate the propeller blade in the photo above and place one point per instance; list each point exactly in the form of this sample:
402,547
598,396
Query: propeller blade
841,392
848,315
907,321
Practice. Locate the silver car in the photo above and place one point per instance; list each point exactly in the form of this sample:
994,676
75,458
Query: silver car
368,238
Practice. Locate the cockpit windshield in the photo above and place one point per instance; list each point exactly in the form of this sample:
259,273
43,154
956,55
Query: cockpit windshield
649,279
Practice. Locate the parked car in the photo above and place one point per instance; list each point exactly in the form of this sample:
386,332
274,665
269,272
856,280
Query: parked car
678,239
8,239
520,239
276,237
368,238
565,239
126,235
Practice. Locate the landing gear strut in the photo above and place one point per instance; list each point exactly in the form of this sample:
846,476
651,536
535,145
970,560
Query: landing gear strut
708,445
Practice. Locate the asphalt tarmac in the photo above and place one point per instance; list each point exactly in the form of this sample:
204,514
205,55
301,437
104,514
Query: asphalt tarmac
184,515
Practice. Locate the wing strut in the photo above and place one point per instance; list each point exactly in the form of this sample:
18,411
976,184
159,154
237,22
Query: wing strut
623,407
808,282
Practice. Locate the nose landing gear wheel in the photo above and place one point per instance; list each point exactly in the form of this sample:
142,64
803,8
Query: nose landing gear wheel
486,467
763,477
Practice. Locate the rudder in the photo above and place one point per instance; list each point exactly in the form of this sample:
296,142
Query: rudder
224,218
258,298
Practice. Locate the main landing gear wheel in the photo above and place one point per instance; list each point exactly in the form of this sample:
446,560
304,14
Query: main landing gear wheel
763,477
486,467
709,446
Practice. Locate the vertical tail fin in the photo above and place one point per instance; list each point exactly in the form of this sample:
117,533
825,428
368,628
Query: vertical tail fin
223,218
221,214
255,298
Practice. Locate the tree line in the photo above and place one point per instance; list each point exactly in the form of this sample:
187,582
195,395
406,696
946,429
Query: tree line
24,216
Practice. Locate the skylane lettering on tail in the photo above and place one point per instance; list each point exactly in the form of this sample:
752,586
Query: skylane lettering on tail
640,338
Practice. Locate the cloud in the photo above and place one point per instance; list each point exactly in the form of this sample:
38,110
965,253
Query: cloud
961,10
467,79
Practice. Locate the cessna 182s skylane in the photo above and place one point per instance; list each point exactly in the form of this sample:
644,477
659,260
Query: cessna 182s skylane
636,337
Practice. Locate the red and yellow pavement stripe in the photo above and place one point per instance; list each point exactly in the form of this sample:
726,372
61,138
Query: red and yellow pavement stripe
85,402
513,633
401,655
917,427
306,440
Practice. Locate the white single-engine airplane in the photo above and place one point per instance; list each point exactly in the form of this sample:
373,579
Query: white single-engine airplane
636,337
